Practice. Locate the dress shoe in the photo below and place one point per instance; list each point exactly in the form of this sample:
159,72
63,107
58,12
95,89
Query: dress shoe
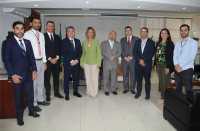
44,103
147,97
58,95
37,109
67,97
107,93
133,92
114,92
137,96
125,91
20,121
48,98
34,114
77,94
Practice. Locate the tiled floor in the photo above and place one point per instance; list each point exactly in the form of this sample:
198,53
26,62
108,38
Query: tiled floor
105,113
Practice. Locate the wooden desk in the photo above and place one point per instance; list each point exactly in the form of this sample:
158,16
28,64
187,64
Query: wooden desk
7,100
171,85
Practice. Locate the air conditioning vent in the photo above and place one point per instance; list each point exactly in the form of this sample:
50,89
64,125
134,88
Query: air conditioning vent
118,15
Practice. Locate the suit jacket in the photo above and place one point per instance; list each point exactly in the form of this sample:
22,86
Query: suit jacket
168,55
148,52
52,51
68,52
128,50
14,60
107,53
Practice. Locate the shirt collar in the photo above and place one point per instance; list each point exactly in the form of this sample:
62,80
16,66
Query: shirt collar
17,38
111,42
189,38
145,39
129,37
71,39
49,33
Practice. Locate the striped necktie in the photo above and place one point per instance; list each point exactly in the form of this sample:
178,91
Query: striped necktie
22,47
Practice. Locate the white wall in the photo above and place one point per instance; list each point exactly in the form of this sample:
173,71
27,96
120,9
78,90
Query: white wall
196,25
103,27
6,21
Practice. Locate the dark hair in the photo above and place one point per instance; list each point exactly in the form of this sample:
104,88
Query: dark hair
183,25
70,27
49,22
18,23
128,27
35,17
168,38
145,29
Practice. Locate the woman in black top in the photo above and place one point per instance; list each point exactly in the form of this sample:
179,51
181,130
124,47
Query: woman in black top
163,61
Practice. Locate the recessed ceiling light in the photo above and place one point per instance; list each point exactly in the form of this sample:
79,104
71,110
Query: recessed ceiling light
184,8
36,5
87,2
138,6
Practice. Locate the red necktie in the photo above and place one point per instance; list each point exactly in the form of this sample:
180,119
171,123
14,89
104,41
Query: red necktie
128,43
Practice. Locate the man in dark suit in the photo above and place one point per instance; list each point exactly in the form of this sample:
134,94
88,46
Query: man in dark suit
71,50
19,61
143,50
128,60
52,47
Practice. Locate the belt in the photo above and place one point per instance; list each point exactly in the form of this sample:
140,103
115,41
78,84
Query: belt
39,59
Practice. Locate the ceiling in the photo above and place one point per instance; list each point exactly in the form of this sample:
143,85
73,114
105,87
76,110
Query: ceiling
152,5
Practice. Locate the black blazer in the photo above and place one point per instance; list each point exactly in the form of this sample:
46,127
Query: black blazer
168,55
68,52
52,51
148,52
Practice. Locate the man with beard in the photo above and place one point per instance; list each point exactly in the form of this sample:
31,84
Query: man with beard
19,61
184,55
111,50
38,45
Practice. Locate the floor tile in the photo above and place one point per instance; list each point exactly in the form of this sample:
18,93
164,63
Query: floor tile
44,126
112,114
92,125
69,115
116,125
68,126
91,115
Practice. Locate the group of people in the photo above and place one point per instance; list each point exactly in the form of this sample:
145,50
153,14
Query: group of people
30,58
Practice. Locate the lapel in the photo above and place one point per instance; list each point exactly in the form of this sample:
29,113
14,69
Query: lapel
16,44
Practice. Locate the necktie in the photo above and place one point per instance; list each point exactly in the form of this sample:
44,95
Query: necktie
128,43
22,47
39,49
112,44
72,43
52,41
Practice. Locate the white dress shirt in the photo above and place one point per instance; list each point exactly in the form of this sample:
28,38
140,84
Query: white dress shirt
31,35
143,42
74,47
130,38
19,42
50,39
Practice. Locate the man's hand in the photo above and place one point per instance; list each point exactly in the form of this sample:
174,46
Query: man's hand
16,78
177,67
74,62
81,66
142,62
127,59
45,66
112,58
166,71
53,61
34,75
155,68
130,58
179,70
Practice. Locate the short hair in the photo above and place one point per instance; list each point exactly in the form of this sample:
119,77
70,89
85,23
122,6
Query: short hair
128,27
145,29
183,25
35,17
168,38
18,23
49,22
90,28
69,27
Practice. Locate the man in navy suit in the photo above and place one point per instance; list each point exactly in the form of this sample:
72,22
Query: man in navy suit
71,50
19,61
143,50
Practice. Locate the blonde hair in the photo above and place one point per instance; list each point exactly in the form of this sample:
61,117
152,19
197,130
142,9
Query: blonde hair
94,33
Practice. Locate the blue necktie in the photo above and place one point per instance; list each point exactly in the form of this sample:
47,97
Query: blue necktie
52,41
22,47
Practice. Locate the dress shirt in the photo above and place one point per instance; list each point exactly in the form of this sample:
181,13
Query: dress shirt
49,34
74,47
145,41
130,38
31,35
19,42
111,44
184,55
